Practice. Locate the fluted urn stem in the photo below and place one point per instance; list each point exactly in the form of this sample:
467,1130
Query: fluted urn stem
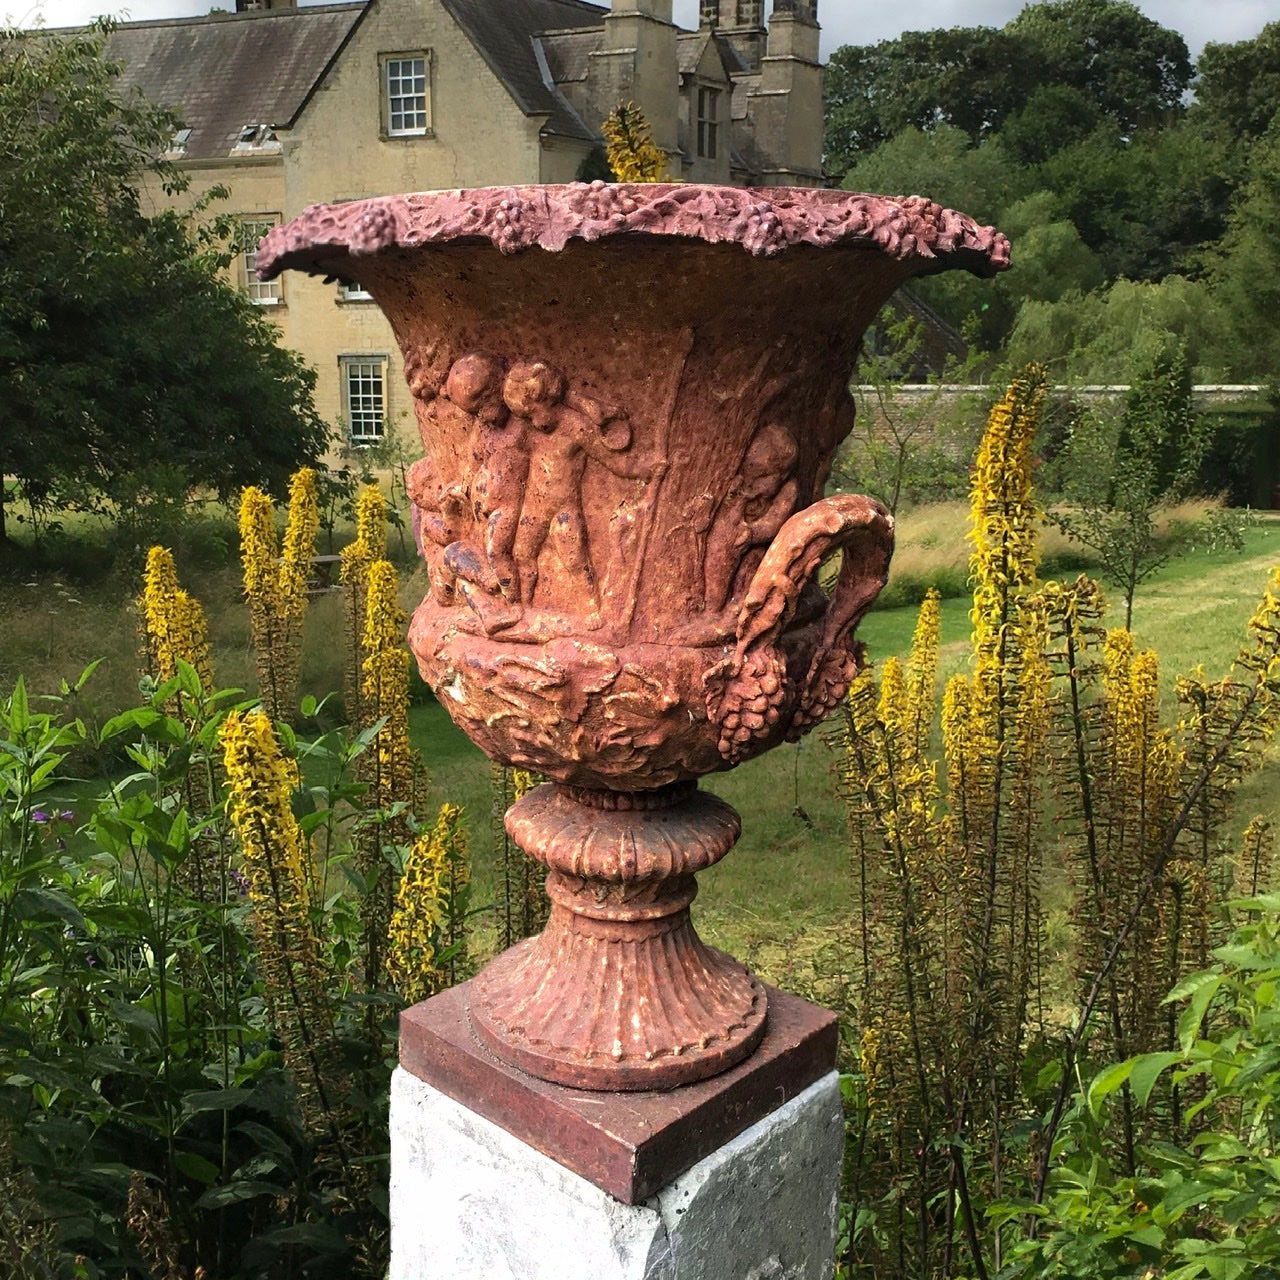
619,992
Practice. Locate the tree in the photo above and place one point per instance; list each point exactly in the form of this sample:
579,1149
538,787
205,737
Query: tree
1135,70
967,77
1054,61
1246,271
1092,337
128,366
1120,472
1238,85
1145,204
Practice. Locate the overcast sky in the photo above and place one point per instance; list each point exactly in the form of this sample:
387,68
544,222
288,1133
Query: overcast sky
843,21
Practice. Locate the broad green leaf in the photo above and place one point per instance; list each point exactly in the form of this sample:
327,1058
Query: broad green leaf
1146,1070
1107,1081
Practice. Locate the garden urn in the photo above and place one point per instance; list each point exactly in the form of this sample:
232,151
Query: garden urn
629,397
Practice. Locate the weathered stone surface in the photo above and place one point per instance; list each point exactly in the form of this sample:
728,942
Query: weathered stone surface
470,1202
629,1144
629,398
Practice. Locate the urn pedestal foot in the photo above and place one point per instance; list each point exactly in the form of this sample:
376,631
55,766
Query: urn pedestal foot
619,992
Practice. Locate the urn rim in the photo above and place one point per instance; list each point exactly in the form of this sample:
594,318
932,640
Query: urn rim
765,221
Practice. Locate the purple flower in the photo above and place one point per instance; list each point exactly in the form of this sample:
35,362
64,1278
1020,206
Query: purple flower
39,815
242,884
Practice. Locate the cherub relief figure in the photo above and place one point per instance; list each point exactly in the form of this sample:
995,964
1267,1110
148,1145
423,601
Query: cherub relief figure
439,519
568,431
757,505
471,414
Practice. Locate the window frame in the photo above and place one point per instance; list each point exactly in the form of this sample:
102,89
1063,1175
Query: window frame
263,293
707,125
422,126
355,369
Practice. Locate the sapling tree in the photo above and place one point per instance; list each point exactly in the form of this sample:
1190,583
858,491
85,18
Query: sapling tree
1122,471
902,449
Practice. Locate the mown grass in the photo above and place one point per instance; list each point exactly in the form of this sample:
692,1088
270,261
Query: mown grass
785,886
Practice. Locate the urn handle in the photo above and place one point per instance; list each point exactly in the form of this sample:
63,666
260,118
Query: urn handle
748,692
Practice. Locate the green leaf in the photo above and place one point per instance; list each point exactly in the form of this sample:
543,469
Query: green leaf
216,1100
1146,1070
1107,1081
237,1192
86,674
1192,1017
196,1167
31,903
314,1235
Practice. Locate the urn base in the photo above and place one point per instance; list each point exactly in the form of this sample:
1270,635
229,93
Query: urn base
616,1013
618,992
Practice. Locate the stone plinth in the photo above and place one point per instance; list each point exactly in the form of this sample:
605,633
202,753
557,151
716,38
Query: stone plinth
471,1202
629,1145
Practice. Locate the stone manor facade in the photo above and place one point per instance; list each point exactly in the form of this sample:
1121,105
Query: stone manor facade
287,106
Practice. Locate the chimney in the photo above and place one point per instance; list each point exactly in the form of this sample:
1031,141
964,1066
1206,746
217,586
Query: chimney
637,63
741,22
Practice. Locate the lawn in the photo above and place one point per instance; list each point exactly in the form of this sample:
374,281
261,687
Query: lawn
784,885
786,879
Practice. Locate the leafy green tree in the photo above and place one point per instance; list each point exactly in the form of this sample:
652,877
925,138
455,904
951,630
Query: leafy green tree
1246,269
1121,471
128,366
1091,337
1135,70
1147,204
967,77
1238,85
1053,117
1058,68
1052,258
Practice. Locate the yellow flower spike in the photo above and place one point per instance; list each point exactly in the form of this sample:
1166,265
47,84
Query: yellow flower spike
275,586
371,522
1003,513
258,547
434,878
260,785
633,156
173,622
299,544
384,618
922,673
1255,872
892,703
869,1060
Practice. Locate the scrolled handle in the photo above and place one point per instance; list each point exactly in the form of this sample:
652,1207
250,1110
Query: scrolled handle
748,691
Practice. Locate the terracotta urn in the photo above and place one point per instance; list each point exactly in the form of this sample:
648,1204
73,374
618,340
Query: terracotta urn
629,398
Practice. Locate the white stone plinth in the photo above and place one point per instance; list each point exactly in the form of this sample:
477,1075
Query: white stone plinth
471,1202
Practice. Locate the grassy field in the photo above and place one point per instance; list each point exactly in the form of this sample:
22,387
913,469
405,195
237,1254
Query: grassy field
786,880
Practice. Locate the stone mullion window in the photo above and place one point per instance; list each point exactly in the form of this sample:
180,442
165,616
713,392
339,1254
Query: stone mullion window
266,293
406,94
708,122
364,397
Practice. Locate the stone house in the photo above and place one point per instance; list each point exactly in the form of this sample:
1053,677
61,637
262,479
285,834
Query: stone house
286,106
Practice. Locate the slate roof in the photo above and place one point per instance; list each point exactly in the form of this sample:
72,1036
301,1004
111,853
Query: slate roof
568,53
506,36
225,71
